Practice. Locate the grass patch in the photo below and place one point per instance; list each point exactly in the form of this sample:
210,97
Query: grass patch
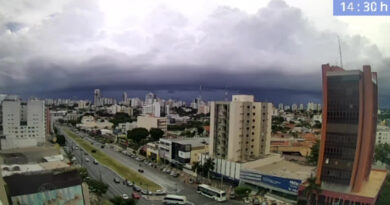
118,167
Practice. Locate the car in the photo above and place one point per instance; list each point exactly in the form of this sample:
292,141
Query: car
135,195
160,192
102,146
116,180
129,183
144,192
175,174
73,159
125,196
232,195
87,159
140,170
150,164
168,171
95,162
93,151
136,188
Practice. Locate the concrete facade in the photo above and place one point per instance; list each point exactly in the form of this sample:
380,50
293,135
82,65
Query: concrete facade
240,130
24,124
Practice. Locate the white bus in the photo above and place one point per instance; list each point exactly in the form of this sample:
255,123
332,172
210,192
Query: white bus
174,199
211,192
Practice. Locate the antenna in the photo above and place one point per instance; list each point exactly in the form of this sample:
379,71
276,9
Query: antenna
200,92
341,56
226,93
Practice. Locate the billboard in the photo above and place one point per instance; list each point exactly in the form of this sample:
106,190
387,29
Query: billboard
64,196
283,184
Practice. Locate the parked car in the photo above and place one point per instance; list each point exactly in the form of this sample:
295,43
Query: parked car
125,196
135,195
160,192
129,183
116,180
95,162
136,188
144,192
140,170
87,159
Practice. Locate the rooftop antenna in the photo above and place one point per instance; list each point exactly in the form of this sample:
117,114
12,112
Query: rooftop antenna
226,93
341,56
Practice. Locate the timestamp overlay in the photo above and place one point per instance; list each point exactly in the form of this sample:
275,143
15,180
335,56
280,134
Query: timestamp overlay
361,7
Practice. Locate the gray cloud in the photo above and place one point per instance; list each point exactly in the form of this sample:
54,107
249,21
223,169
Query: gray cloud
276,48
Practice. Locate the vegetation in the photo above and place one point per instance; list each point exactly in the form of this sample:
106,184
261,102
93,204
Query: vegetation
120,117
97,187
382,153
312,189
242,191
110,162
313,157
156,133
384,198
137,134
204,169
317,125
120,201
61,140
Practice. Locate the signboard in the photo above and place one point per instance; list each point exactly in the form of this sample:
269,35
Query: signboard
184,155
290,185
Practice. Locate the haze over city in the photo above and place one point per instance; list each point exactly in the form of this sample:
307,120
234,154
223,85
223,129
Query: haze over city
273,49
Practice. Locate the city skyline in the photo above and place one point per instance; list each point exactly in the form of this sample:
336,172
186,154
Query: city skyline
72,48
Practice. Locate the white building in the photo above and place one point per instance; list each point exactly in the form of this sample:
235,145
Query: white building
153,109
127,126
382,135
294,107
301,107
280,106
240,130
24,124
97,98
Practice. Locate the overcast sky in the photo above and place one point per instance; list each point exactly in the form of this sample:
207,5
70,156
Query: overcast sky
65,46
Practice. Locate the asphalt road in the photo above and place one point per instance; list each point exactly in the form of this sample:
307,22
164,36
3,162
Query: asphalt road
170,184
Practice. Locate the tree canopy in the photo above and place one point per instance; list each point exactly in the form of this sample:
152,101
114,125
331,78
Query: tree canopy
156,133
315,150
137,134
382,153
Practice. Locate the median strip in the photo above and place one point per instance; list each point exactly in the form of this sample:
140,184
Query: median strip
116,166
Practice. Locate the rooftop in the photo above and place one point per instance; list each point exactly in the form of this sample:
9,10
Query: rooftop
372,187
276,165
194,142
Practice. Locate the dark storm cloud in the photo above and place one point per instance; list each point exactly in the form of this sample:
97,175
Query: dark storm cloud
276,48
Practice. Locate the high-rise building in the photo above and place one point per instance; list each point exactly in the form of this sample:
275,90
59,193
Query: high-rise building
150,98
240,130
294,107
24,124
348,136
97,98
124,97
280,106
301,107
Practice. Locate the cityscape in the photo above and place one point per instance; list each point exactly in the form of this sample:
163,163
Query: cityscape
192,102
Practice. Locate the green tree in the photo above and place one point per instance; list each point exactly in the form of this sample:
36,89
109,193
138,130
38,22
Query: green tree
120,117
156,133
120,201
98,187
83,173
137,134
312,189
382,153
61,140
383,198
315,150
207,167
242,191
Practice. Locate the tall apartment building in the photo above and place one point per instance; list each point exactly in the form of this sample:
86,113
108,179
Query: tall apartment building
97,98
347,137
24,124
240,130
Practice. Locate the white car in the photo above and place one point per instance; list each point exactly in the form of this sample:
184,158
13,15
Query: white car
125,196
86,159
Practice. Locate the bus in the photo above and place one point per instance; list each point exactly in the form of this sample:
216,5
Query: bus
174,199
211,192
